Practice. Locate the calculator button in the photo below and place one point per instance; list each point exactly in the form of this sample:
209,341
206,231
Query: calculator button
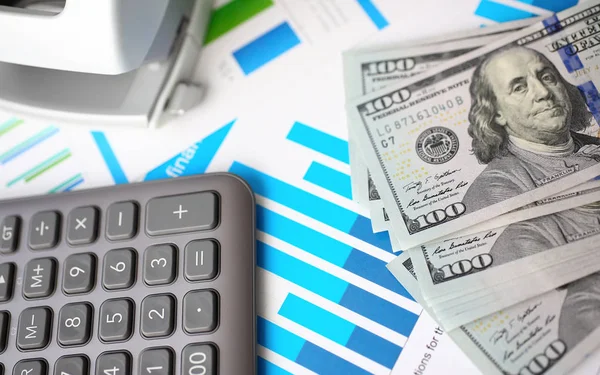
122,221
119,269
181,213
7,274
158,316
117,363
44,229
40,278
33,331
31,367
116,320
79,273
159,264
9,234
82,225
3,330
157,362
201,260
200,312
74,324
199,357
75,365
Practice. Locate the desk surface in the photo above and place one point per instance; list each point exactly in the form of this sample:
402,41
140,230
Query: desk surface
274,114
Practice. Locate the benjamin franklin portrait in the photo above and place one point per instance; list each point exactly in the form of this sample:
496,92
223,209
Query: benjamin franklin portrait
527,125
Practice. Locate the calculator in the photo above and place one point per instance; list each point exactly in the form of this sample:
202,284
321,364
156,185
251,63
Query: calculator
148,278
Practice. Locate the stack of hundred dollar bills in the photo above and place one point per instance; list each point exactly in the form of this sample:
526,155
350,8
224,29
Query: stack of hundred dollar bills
479,153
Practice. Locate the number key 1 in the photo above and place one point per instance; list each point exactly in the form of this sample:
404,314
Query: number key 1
156,362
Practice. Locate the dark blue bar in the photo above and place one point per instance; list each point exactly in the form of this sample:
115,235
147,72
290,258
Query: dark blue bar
379,310
319,141
321,361
266,48
499,12
302,274
73,185
278,340
267,368
363,230
302,237
551,5
374,347
374,270
373,13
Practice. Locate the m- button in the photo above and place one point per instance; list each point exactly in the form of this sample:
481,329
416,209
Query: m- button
182,213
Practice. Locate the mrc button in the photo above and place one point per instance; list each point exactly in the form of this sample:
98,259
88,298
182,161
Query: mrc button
182,213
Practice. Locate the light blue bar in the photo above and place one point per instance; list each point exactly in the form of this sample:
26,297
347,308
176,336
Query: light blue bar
302,237
551,5
73,185
300,273
319,141
193,160
278,340
330,179
499,12
373,13
266,48
296,199
316,319
265,367
112,163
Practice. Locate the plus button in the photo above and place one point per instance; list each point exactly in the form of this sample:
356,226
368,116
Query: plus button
180,212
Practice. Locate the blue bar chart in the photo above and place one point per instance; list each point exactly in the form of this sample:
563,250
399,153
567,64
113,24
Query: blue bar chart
266,48
498,11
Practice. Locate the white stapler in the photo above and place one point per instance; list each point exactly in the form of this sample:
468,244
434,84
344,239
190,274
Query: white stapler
101,62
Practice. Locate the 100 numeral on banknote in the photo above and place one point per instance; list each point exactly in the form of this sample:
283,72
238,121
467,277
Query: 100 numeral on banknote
488,132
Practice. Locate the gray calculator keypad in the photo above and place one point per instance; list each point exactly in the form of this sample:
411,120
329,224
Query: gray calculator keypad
149,278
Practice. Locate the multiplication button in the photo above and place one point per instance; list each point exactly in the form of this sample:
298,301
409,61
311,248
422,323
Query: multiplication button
82,226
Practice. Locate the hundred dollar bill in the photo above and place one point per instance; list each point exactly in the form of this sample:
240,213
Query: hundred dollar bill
547,334
366,71
493,130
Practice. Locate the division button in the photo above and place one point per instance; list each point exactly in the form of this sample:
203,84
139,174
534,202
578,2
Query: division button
182,213
44,229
